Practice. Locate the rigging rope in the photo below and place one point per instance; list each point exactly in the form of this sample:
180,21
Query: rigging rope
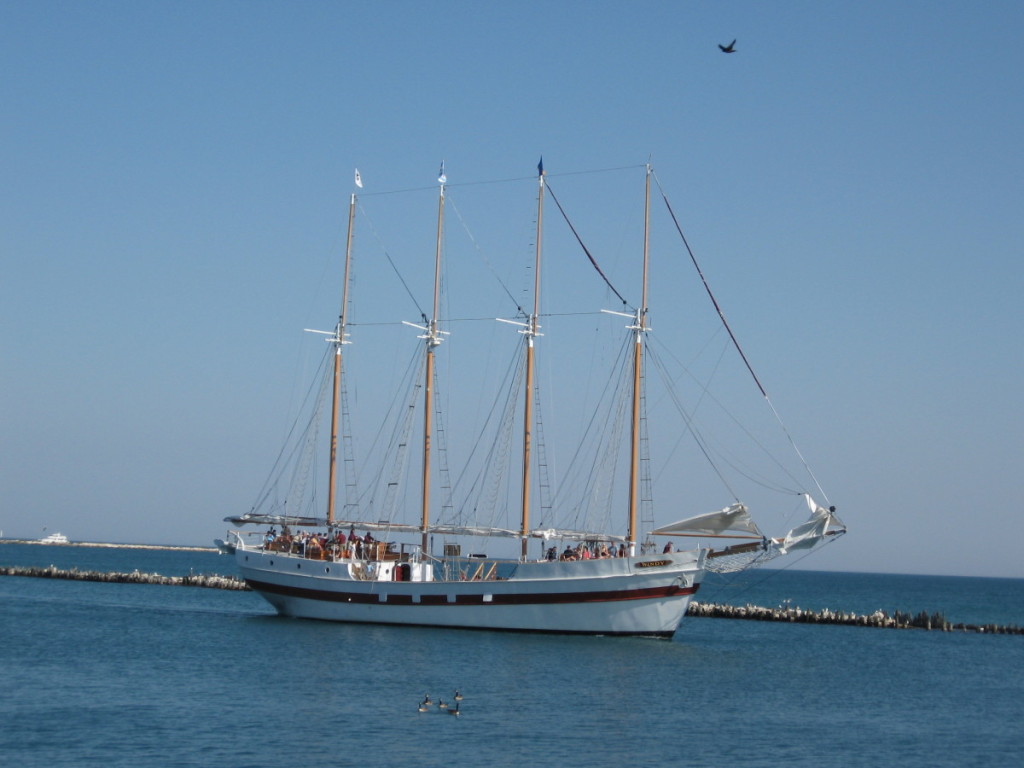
690,418
441,439
305,464
399,411
289,449
735,342
392,263
398,451
707,288
798,453
593,261
477,454
348,452
593,464
483,256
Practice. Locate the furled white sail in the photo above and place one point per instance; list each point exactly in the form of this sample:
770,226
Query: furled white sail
810,533
734,518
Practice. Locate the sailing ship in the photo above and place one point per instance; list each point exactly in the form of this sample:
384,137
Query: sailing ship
357,567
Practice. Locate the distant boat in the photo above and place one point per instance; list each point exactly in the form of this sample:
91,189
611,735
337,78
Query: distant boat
224,547
55,538
615,582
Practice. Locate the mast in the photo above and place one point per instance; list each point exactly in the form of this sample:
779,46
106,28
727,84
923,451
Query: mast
338,341
530,333
432,338
639,328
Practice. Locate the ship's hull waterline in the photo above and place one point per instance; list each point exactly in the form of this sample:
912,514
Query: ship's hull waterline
646,596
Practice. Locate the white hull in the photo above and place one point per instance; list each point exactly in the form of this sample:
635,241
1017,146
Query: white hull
645,595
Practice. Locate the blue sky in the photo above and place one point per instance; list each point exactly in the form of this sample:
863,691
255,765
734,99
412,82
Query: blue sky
172,213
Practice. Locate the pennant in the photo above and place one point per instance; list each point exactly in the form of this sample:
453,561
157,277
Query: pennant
359,179
441,178
540,166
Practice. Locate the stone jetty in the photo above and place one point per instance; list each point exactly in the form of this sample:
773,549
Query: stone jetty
110,545
210,581
879,619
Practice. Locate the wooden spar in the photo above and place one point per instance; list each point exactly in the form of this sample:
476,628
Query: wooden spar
432,340
531,332
639,329
736,549
339,339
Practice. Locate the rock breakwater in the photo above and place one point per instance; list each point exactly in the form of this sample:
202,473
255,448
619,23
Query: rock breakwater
210,581
879,619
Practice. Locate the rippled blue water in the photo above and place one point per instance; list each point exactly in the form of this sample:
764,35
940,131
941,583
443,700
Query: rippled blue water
132,675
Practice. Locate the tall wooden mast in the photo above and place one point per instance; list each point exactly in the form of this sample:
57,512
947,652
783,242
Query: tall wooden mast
530,333
432,338
639,329
338,340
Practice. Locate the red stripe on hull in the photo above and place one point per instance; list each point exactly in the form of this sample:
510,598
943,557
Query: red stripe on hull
435,599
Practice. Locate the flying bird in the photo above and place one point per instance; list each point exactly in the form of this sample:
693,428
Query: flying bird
730,48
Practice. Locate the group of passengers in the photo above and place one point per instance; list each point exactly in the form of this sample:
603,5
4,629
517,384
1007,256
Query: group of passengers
337,546
324,546
589,550
599,551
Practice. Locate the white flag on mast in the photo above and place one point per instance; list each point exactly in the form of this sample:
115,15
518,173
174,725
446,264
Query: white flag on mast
359,179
